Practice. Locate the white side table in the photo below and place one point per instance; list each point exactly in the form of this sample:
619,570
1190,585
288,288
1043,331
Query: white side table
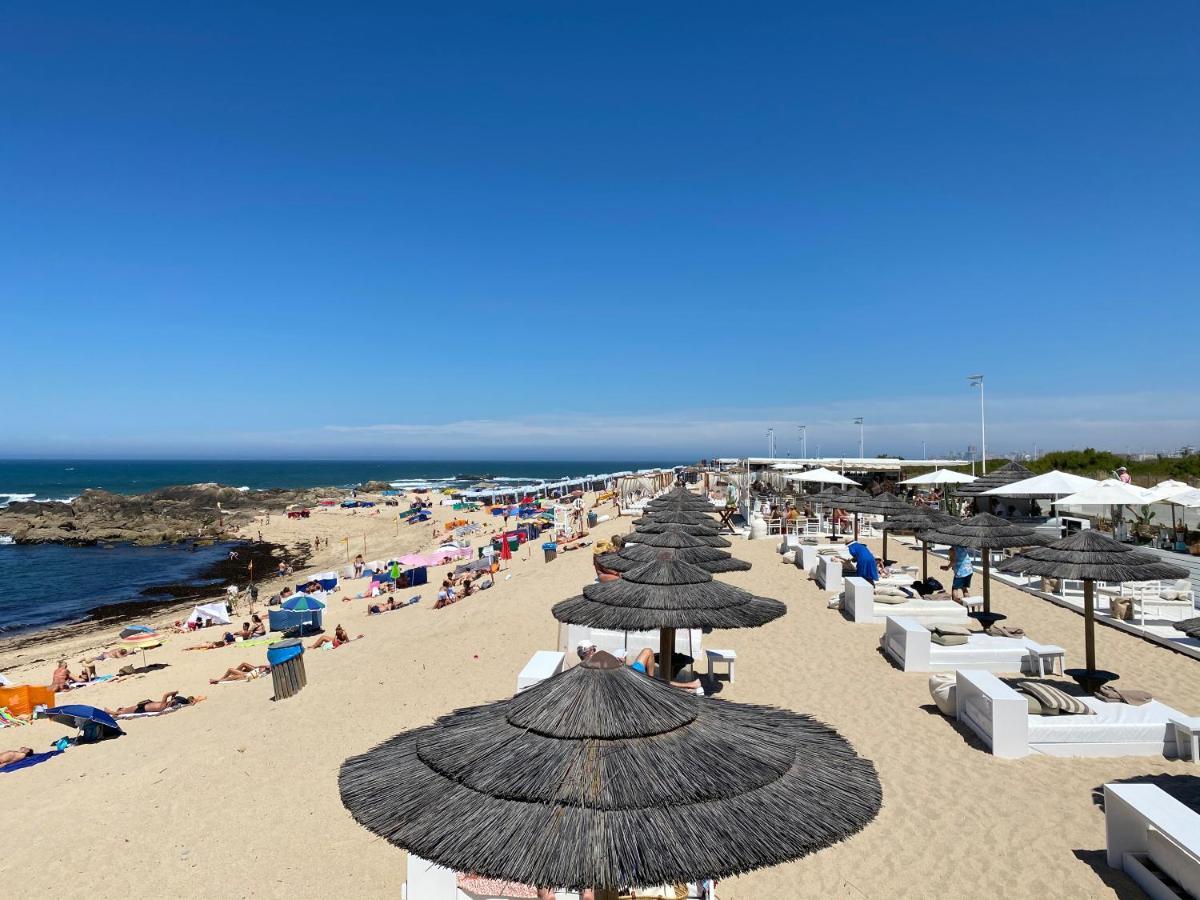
1041,654
729,657
1187,735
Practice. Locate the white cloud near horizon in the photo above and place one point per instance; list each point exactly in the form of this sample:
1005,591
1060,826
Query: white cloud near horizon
1124,422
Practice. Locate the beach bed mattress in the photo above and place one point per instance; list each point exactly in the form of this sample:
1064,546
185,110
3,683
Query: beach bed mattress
1114,723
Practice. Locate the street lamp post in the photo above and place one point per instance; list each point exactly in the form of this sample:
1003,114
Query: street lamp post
977,381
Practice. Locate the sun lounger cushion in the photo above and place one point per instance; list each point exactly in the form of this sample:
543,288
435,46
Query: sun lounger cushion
942,689
948,640
1112,723
1053,701
951,629
890,599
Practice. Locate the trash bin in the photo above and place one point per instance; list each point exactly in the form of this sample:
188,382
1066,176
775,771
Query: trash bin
286,659
551,551
592,519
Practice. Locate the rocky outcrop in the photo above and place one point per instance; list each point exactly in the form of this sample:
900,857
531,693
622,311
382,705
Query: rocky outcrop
169,515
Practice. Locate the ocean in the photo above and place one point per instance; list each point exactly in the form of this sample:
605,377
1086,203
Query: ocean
63,479
45,585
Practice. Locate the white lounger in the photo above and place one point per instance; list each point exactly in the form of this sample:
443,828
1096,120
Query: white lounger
542,665
911,645
626,644
1145,823
859,606
1001,718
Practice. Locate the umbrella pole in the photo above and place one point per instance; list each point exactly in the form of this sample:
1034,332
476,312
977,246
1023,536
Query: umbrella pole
987,580
856,526
1089,625
666,653
924,561
885,544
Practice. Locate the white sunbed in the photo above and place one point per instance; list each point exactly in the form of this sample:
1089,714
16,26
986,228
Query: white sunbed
859,606
1143,823
1000,716
911,645
627,644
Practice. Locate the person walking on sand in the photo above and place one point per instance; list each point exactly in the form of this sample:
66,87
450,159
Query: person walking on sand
359,565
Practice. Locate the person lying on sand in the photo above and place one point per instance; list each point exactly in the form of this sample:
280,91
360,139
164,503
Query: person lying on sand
214,645
339,637
116,653
242,672
12,756
169,699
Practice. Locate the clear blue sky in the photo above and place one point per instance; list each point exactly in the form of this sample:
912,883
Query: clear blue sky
548,228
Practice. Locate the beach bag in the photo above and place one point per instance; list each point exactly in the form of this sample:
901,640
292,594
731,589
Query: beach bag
1122,608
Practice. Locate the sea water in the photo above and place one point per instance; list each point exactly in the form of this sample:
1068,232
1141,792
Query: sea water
47,584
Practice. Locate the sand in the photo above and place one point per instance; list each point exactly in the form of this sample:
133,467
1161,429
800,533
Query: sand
237,797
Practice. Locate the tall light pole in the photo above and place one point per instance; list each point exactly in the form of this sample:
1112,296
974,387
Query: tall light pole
771,443
803,441
924,455
977,381
859,422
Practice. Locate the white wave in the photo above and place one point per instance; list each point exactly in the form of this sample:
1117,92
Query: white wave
6,499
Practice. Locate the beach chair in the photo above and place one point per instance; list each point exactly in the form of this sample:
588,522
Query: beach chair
7,719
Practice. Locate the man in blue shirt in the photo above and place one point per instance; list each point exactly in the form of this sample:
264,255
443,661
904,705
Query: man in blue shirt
865,566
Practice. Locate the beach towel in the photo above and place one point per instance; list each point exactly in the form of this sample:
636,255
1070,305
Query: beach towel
30,761
1132,696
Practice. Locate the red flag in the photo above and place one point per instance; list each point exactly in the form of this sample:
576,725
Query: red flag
505,552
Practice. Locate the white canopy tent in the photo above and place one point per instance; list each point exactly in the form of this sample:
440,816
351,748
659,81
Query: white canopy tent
1164,491
1050,484
1189,499
940,476
820,476
1109,492
213,612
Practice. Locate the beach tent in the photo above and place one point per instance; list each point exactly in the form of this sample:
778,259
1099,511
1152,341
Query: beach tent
214,612
1049,484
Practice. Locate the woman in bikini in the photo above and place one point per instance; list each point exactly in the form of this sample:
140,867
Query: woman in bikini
242,672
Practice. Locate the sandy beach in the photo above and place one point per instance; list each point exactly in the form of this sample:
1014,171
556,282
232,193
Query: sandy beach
238,797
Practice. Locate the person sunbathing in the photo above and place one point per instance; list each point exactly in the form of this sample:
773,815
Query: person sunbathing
259,629
241,672
339,637
11,756
169,700
245,633
214,645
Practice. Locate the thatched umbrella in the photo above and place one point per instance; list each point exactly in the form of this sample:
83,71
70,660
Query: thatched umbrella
661,527
916,520
984,532
884,504
667,517
681,498
666,594
673,539
1090,556
600,777
1006,474
709,559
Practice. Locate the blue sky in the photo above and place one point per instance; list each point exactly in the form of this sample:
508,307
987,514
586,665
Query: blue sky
546,228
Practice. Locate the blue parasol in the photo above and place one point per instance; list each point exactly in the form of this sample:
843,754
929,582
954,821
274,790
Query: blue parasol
76,715
302,603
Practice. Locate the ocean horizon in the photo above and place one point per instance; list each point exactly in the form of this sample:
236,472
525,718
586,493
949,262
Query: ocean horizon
65,479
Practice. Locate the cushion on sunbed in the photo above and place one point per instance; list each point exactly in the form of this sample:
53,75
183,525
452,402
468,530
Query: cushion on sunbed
950,629
948,640
1054,701
887,590
890,599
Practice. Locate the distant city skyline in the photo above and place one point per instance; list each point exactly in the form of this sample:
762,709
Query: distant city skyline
598,230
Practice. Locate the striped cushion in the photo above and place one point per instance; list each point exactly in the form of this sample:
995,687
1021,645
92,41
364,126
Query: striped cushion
1053,701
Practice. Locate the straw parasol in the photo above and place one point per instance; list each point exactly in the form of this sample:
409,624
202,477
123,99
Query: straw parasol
916,520
984,532
666,594
1090,556
676,517
1006,474
600,777
884,504
673,539
661,527
709,559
